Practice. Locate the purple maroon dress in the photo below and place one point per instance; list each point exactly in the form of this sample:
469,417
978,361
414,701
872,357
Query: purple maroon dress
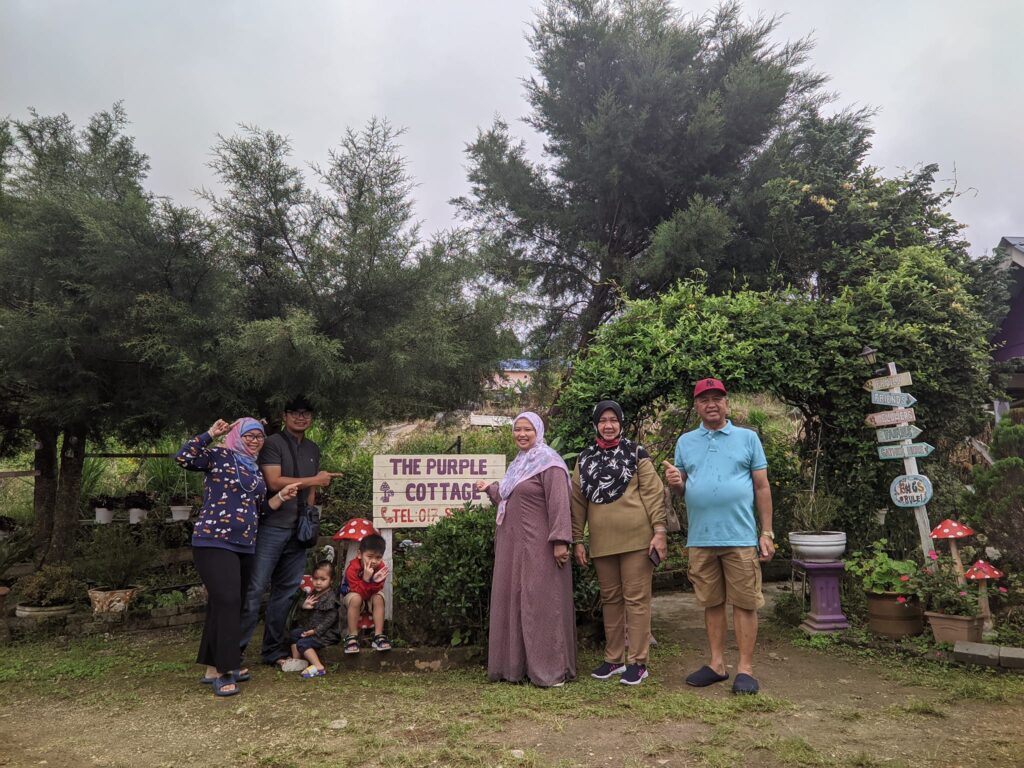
533,620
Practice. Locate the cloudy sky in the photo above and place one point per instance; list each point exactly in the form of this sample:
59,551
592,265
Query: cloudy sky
941,73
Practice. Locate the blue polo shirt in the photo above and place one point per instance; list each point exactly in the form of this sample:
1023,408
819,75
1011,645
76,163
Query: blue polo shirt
719,485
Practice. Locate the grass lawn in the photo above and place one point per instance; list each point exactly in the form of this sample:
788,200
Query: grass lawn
135,700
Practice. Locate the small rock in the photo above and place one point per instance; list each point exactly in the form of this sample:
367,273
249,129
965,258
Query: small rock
518,754
337,725
663,762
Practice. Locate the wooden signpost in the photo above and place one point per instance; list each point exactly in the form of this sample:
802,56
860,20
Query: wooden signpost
904,451
415,491
897,416
910,490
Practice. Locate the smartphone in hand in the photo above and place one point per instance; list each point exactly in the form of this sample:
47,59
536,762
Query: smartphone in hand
655,557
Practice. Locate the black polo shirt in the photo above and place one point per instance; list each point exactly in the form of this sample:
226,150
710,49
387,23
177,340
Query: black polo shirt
276,452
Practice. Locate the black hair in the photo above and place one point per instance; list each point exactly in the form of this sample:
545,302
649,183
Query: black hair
373,543
325,564
299,403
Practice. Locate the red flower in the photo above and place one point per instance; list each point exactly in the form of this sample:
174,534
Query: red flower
962,594
901,599
1004,590
933,554
904,577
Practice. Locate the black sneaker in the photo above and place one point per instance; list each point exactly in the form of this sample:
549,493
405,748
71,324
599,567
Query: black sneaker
607,669
634,674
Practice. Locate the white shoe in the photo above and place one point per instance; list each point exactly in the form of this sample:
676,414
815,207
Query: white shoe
294,665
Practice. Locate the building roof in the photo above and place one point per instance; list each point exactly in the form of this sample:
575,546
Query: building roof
522,364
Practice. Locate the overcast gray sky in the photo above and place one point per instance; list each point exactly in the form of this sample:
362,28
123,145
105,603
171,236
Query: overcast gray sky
942,74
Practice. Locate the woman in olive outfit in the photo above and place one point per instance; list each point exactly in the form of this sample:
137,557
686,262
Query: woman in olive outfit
618,496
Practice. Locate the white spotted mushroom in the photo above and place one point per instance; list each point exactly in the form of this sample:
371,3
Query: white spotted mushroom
952,530
982,572
353,531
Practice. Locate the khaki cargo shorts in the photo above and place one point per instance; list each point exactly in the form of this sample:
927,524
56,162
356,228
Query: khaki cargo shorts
726,574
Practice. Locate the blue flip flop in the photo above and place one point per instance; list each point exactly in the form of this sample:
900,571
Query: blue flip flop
238,675
745,684
223,682
705,676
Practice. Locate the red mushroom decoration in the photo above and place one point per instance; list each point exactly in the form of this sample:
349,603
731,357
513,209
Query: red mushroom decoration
952,530
982,572
353,531
307,584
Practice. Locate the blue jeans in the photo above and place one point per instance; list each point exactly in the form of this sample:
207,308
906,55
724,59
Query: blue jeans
278,563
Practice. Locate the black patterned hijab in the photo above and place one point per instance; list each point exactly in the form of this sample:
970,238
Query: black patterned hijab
606,468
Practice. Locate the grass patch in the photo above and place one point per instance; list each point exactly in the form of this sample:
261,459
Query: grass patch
919,707
793,750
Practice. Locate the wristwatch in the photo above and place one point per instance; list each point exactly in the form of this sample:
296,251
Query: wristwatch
769,534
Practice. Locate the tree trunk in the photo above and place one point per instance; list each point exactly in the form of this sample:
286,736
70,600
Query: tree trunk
69,488
601,303
44,494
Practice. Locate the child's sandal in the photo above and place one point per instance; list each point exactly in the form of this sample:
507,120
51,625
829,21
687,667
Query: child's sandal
311,672
381,643
351,644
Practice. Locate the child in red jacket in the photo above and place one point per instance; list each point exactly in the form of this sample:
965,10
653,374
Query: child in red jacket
361,587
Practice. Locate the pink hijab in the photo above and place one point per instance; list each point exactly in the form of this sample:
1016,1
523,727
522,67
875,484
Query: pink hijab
528,463
233,440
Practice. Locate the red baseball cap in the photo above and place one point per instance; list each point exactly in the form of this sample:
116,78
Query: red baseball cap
708,385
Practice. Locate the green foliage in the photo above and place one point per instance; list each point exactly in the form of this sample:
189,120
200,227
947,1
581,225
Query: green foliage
942,592
1008,440
115,555
787,609
445,584
999,505
804,351
879,573
14,548
51,585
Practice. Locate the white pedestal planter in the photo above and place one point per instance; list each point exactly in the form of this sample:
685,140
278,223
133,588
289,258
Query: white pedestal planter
822,547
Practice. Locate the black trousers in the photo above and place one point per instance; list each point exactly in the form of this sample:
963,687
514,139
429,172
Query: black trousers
225,575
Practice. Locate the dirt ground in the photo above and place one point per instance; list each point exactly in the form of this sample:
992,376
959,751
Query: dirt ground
133,701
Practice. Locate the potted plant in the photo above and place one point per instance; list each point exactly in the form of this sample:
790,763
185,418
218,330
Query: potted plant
13,549
7,526
951,609
891,587
112,560
103,507
813,542
138,504
50,591
181,509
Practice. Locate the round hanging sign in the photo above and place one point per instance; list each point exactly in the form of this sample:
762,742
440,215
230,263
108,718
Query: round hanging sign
911,491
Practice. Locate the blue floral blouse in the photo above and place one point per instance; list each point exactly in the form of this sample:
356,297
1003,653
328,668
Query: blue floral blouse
232,496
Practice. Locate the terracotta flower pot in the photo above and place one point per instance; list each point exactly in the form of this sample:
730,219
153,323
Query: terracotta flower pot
948,628
890,618
111,601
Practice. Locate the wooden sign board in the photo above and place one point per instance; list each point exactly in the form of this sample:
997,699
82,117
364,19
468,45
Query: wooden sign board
892,434
910,491
415,491
895,399
889,382
915,450
897,416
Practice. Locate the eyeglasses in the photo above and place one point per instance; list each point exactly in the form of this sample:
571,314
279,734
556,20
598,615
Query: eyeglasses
254,437
608,421
300,414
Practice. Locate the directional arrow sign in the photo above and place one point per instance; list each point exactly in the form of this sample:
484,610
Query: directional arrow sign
916,450
910,491
892,434
889,382
896,416
897,399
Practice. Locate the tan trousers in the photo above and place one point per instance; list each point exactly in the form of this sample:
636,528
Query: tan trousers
625,582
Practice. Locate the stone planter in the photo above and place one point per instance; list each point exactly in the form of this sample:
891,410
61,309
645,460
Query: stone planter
890,618
180,513
817,546
947,628
104,516
136,515
40,612
113,600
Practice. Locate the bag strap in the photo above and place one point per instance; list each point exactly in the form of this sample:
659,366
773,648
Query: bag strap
300,500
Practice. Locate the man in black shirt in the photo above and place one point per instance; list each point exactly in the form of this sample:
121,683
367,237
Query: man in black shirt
287,457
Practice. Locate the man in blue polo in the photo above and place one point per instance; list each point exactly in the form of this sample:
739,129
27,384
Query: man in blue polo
722,472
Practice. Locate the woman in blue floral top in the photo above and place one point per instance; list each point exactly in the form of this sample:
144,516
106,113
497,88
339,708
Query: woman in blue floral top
224,538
